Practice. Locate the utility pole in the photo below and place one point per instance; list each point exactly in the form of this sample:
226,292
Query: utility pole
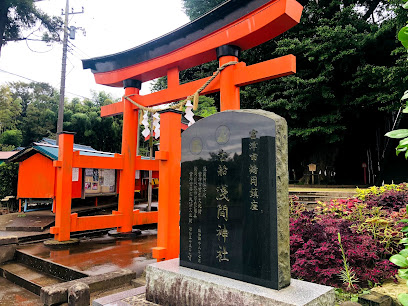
60,122
63,72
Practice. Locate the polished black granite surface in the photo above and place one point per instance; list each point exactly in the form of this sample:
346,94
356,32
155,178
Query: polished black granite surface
228,198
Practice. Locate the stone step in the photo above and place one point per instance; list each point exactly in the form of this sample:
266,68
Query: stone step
58,293
307,202
31,223
27,277
309,197
33,273
325,194
46,266
314,199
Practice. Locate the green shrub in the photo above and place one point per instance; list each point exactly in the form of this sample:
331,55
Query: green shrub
8,179
374,190
12,138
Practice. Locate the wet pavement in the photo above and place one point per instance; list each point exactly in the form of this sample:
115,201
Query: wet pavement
92,256
6,220
95,256
33,223
13,295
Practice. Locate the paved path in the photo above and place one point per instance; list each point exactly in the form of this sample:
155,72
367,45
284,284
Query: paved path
133,297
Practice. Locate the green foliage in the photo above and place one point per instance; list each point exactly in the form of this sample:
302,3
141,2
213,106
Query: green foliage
12,138
206,107
347,275
197,8
403,36
401,260
8,179
362,194
83,117
376,221
328,95
350,73
37,112
347,296
10,109
403,298
159,84
401,134
19,15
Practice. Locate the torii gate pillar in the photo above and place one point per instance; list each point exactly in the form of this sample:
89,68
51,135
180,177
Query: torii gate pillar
129,150
229,92
168,231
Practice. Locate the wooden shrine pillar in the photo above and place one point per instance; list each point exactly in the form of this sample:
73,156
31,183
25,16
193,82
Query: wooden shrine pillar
229,91
129,149
62,229
168,231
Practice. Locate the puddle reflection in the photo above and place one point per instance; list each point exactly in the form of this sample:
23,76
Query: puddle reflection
100,255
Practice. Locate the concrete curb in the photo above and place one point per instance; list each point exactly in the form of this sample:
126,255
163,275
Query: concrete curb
56,294
8,248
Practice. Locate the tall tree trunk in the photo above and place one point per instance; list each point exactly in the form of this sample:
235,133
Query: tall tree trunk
4,7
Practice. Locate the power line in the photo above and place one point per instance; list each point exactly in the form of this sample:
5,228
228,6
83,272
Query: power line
75,52
73,67
23,77
72,45
32,50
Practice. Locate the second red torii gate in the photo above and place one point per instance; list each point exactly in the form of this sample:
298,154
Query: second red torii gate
234,26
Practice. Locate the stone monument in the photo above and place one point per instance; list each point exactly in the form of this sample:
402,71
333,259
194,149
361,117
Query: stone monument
234,197
234,218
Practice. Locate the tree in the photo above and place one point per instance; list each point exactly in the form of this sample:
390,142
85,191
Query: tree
350,73
10,109
197,8
83,117
18,15
39,103
12,138
29,113
39,109
402,133
206,105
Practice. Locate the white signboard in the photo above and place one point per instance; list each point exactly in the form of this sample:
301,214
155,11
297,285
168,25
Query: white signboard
75,174
108,177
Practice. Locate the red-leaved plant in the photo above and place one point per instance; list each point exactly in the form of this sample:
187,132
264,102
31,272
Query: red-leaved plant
316,255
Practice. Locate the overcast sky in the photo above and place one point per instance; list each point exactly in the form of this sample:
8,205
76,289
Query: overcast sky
111,26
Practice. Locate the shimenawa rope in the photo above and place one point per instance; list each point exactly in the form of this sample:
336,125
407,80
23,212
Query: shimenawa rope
193,97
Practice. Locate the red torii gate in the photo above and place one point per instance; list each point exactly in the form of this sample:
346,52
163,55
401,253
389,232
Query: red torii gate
239,25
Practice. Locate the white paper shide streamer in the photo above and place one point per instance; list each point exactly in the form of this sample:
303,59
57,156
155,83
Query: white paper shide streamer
189,113
156,125
145,122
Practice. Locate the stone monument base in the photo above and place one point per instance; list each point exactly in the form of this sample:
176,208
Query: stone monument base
169,284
